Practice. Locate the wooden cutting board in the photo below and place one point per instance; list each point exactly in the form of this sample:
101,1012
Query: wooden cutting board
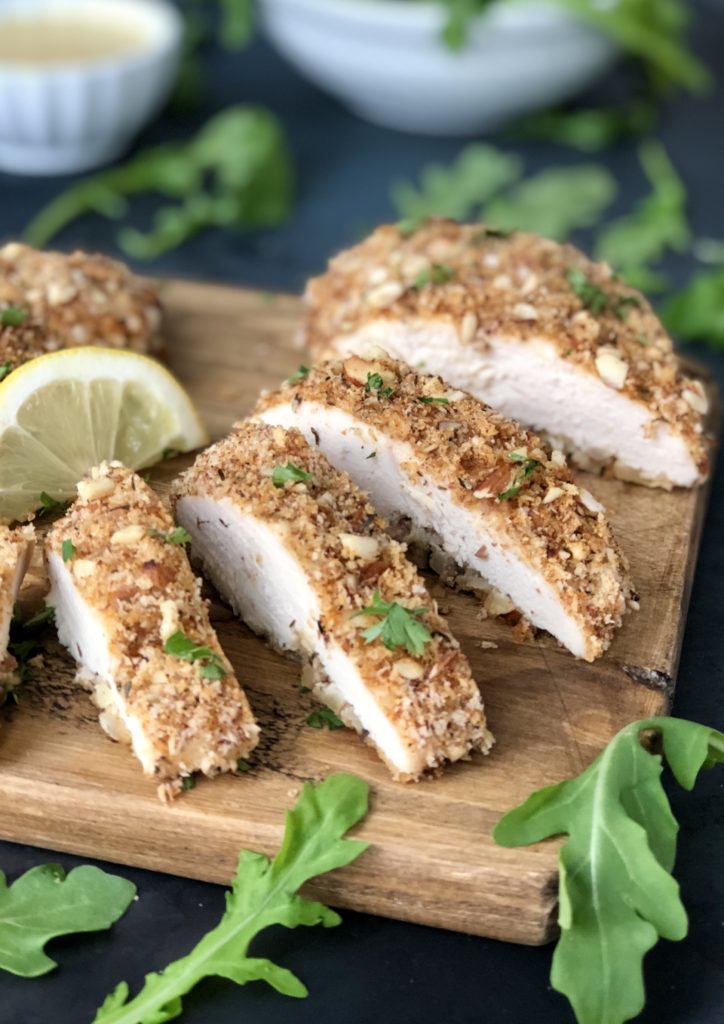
65,786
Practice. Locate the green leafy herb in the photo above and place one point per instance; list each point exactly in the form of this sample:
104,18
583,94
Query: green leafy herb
433,400
555,201
24,640
289,474
376,383
372,455
299,374
170,453
324,718
68,550
188,782
48,504
398,626
5,370
211,664
264,894
235,173
596,299
589,129
458,191
439,273
697,312
616,892
656,224
523,473
242,765
178,535
13,316
45,903
236,27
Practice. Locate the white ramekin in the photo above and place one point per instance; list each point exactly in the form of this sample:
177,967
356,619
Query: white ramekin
61,118
384,59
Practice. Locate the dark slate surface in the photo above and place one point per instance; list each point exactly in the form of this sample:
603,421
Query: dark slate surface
371,969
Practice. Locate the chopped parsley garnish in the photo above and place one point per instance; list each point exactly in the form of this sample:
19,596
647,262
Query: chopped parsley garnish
643,340
13,316
176,536
179,645
188,782
68,550
433,400
48,504
170,453
376,383
299,374
289,474
242,765
596,299
527,468
324,718
24,639
5,370
372,455
398,626
439,273
409,226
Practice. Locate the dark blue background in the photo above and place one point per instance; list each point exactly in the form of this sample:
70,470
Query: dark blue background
370,968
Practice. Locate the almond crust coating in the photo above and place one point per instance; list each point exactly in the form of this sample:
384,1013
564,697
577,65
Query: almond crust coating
16,548
515,286
73,300
463,446
142,589
431,698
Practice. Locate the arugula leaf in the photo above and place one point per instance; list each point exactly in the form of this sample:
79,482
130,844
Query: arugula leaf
236,172
589,129
325,717
179,646
697,312
178,535
45,903
398,626
264,893
657,223
555,201
457,191
289,474
616,892
13,316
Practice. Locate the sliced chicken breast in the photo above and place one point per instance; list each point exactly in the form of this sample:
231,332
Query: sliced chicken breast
301,556
16,549
473,484
532,328
129,610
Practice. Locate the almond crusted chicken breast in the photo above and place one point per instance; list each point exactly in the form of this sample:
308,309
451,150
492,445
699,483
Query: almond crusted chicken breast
530,327
302,557
470,483
16,549
129,610
50,300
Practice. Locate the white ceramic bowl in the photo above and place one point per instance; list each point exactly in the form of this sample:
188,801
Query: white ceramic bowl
62,117
385,61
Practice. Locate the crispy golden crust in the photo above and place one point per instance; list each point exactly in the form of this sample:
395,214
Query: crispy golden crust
72,300
515,287
142,589
431,698
16,548
465,447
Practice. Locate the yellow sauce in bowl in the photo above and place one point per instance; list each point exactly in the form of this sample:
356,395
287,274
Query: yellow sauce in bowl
47,37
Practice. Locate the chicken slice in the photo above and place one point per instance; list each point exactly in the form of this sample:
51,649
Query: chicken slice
129,610
471,484
16,549
299,553
532,328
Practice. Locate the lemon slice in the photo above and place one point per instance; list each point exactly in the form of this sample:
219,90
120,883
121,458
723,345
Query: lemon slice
64,412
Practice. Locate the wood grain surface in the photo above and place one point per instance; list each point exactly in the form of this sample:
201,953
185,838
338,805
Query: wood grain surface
64,785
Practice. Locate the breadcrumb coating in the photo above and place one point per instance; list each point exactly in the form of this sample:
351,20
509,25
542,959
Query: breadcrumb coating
477,455
516,286
141,588
16,548
73,300
334,534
